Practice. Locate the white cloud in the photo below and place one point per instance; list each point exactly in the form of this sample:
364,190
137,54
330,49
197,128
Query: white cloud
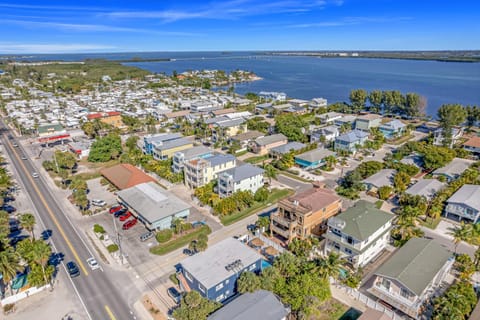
7,48
348,21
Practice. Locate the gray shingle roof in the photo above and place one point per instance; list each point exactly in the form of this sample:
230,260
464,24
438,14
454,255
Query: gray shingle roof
382,178
468,194
162,137
230,123
456,167
248,135
260,304
363,219
152,202
426,188
263,141
219,159
315,155
393,125
352,136
286,148
243,172
416,264
208,267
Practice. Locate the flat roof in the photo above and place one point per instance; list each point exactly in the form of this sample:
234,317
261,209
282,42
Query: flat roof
152,202
125,176
208,267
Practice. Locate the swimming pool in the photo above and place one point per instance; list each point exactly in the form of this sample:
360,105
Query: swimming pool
265,264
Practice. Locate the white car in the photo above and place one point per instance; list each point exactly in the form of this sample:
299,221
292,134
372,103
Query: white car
98,202
35,175
93,263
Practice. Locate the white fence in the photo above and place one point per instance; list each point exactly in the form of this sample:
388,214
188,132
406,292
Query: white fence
269,242
369,302
22,295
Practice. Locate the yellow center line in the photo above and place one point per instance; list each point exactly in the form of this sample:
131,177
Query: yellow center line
110,314
52,215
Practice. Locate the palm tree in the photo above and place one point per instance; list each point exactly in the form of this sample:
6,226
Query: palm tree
330,266
405,229
9,265
41,252
331,161
270,172
459,234
27,222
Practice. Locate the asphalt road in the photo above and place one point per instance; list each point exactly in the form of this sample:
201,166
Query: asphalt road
98,294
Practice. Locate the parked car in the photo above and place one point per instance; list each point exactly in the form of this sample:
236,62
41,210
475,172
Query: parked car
115,209
146,236
73,269
98,202
130,223
15,145
120,212
125,216
174,294
93,263
8,208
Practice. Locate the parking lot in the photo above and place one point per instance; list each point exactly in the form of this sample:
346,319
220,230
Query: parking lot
100,192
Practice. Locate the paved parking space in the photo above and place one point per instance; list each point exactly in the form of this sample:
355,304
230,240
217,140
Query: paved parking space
98,191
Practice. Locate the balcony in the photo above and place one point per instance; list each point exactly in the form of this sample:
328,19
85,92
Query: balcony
408,307
333,236
284,233
284,222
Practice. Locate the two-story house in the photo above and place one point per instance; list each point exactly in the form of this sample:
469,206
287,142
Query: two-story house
222,130
359,234
150,140
166,149
328,133
329,117
263,144
200,171
368,121
246,177
351,140
392,129
313,159
180,157
214,272
280,151
412,275
472,145
464,205
243,139
304,214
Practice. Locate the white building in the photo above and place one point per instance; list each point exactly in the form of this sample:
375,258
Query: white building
359,234
242,178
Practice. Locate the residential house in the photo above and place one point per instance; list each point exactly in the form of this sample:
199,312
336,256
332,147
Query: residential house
180,157
329,117
346,120
200,171
260,304
359,234
153,206
472,145
368,121
171,117
222,130
277,96
464,205
298,102
112,118
263,144
454,169
166,149
318,103
214,272
438,136
243,139
392,129
266,107
279,151
329,133
412,275
426,188
373,314
295,110
246,177
203,106
304,214
313,159
351,140
149,141
125,175
382,178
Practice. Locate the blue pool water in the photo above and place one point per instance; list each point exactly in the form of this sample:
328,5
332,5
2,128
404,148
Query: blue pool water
266,264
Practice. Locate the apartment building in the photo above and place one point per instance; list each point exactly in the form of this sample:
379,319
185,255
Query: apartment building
200,171
180,157
242,178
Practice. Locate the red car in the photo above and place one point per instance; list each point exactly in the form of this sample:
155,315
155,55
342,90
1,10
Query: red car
125,216
115,209
130,223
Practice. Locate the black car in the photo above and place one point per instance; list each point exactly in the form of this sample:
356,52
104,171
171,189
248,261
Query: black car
120,212
8,208
73,269
174,294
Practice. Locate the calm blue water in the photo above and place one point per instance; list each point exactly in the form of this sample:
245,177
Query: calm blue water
331,78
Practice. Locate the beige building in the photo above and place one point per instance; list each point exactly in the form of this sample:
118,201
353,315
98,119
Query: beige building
263,144
305,213
200,171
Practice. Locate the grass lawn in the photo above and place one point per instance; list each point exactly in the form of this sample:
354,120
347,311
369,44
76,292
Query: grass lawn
174,244
430,223
276,195
378,204
400,140
88,175
335,310
256,159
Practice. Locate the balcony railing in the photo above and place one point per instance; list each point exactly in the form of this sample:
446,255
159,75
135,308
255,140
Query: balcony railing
280,231
284,222
335,237
402,304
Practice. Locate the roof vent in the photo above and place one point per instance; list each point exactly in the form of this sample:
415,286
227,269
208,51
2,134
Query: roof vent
295,202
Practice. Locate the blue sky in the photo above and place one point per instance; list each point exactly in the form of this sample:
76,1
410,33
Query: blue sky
164,25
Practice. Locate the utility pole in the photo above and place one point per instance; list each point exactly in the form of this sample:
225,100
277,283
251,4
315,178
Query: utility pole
118,238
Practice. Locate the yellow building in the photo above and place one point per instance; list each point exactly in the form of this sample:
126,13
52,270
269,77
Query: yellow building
164,150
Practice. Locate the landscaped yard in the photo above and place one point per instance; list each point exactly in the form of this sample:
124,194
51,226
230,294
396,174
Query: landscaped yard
334,310
294,176
276,195
401,139
256,159
180,241
430,222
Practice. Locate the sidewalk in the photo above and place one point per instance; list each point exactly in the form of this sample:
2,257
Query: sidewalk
347,299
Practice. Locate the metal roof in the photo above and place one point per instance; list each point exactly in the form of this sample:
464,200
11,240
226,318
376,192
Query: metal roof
263,141
382,178
416,264
315,155
468,194
208,267
426,188
286,148
352,136
242,172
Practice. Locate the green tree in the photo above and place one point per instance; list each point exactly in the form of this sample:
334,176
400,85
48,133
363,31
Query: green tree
9,265
261,194
456,303
450,115
270,172
384,192
291,126
302,247
248,282
375,98
358,98
194,307
401,181
473,115
413,105
27,222
465,266
405,229
105,149
263,223
40,254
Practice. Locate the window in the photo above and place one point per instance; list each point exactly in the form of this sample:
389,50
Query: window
220,298
348,251
252,267
386,284
188,276
227,281
219,287
404,293
201,288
